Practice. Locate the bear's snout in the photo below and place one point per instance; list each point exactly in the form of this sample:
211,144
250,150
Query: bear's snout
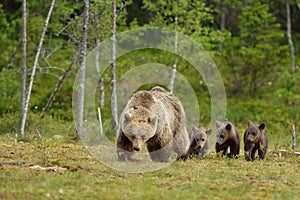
136,148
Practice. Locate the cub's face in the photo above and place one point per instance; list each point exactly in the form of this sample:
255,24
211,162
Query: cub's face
253,132
139,128
200,136
223,132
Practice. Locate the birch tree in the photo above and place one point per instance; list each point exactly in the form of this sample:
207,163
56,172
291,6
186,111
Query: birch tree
80,110
25,111
114,107
174,69
23,64
289,35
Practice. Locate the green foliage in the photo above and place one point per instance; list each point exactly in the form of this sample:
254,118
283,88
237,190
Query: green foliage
194,18
10,98
256,55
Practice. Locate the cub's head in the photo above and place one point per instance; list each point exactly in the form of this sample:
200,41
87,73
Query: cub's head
223,131
200,135
139,126
253,132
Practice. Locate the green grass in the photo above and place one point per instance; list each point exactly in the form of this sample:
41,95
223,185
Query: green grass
209,178
87,178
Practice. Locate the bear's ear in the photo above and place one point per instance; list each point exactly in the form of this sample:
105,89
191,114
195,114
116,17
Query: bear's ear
250,123
218,124
127,117
208,132
195,128
262,126
153,120
228,127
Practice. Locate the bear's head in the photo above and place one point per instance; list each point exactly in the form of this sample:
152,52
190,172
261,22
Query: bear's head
254,132
224,131
139,126
200,136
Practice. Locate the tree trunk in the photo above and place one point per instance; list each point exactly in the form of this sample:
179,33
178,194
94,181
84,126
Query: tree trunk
98,68
113,68
23,64
81,79
58,86
174,69
293,137
24,115
289,35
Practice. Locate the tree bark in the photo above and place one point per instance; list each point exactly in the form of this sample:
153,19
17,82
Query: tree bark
289,35
81,79
23,64
25,112
174,69
113,68
98,68
293,137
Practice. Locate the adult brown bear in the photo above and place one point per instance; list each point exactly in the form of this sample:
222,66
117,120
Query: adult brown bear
155,118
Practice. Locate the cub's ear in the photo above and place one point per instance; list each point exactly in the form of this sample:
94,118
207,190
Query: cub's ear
218,124
153,120
262,126
250,123
208,132
228,127
195,129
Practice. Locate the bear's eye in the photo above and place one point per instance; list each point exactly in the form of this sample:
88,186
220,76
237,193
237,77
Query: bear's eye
253,133
203,140
222,136
143,137
197,140
133,136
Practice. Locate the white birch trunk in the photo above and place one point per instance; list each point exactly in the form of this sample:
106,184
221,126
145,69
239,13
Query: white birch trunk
113,68
100,122
98,68
23,64
289,35
174,69
24,115
81,79
293,137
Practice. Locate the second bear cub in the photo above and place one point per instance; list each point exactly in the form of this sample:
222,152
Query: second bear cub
228,137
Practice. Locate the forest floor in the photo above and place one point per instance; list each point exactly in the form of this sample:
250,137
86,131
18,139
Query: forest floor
78,175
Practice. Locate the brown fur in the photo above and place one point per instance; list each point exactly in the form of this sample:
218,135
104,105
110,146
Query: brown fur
228,137
255,139
199,140
155,118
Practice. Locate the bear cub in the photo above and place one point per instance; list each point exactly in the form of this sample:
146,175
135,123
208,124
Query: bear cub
255,139
199,140
228,137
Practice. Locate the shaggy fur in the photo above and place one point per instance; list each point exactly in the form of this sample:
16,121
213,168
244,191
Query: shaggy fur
228,137
255,139
155,118
199,140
